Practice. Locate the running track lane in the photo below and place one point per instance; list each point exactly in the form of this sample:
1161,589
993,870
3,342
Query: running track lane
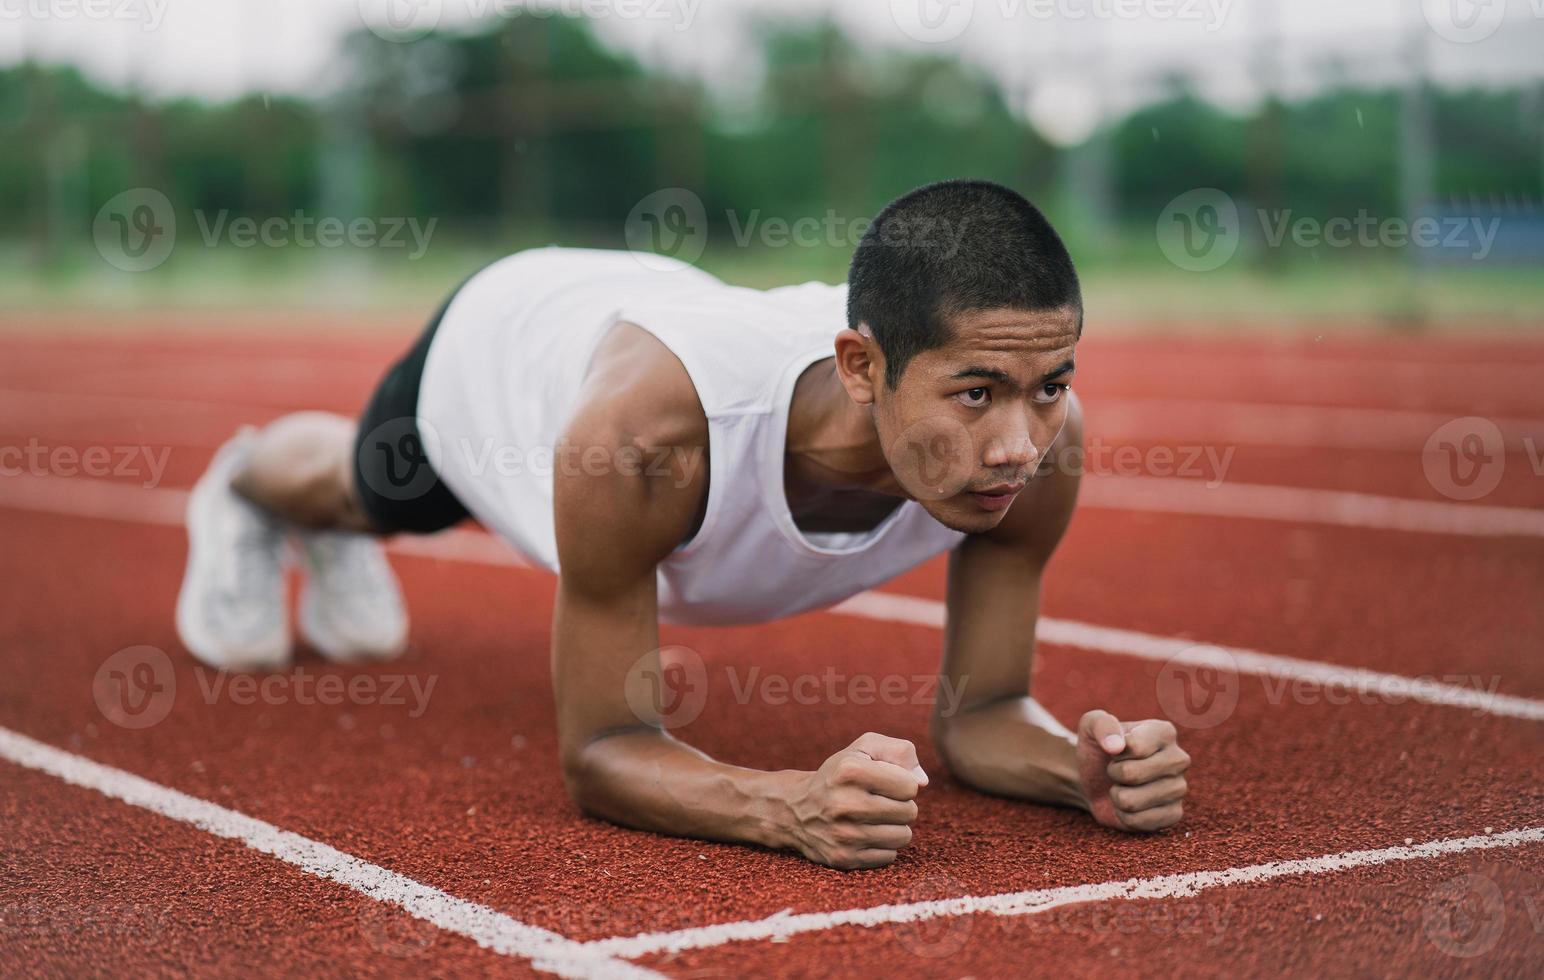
467,788
96,888
1486,376
1464,915
1429,577
182,435
929,929
463,758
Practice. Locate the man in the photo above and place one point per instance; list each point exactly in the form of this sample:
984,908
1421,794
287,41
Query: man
676,448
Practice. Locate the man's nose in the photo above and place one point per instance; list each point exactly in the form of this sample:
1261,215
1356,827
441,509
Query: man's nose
1013,445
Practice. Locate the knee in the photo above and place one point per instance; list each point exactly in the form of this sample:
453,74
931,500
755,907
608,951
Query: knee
298,469
303,444
303,431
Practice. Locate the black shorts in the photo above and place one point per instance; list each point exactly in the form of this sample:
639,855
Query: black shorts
396,487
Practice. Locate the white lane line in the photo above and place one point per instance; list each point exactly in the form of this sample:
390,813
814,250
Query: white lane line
1169,420
112,501
107,500
1301,505
459,544
893,607
489,929
92,405
1330,372
784,925
202,364
1141,494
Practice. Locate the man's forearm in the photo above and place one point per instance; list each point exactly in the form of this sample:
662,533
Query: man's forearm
1012,747
649,781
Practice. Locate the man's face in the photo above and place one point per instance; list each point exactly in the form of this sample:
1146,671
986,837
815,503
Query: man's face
970,421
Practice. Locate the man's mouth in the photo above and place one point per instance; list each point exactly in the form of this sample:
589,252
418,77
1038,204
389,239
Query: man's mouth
997,497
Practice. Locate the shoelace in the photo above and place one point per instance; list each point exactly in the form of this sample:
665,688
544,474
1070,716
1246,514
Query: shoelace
350,573
256,553
338,556
246,608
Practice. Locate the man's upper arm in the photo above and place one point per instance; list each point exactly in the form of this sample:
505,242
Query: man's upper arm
994,580
615,522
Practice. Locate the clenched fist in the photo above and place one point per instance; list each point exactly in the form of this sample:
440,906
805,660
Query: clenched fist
1133,773
856,810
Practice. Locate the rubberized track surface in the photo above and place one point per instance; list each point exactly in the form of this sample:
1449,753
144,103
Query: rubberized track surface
279,834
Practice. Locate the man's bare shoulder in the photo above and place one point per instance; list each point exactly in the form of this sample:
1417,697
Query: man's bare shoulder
632,470
636,386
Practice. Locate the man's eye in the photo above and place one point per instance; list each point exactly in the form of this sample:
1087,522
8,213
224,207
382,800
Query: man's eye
975,397
1048,393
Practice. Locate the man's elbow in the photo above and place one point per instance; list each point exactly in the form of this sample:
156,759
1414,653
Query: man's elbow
960,736
944,729
579,779
591,766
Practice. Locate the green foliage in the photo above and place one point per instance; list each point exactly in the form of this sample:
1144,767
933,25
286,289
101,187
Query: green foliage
1177,144
534,128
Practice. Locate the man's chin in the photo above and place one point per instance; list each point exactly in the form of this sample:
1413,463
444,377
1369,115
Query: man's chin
959,513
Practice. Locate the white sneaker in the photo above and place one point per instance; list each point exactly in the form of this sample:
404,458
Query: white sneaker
231,610
351,606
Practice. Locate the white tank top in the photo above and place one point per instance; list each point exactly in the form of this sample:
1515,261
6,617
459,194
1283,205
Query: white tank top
500,383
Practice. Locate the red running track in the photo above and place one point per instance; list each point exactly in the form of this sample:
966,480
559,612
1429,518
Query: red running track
464,795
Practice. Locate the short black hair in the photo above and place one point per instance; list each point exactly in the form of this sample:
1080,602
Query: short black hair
948,248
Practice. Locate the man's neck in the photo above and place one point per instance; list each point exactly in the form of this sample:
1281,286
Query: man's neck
832,447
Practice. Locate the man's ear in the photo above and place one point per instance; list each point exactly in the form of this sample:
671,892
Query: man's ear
859,363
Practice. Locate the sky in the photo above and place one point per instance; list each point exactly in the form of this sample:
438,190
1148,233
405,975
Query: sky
1065,63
